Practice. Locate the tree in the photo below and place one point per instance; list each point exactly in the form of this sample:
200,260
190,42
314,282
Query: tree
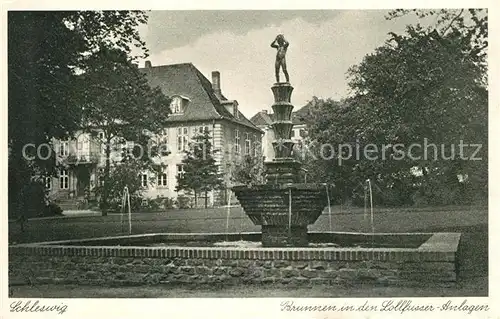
248,171
201,173
127,173
122,105
329,153
472,24
427,84
46,51
464,31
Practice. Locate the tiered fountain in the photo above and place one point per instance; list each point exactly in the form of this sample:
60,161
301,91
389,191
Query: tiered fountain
283,206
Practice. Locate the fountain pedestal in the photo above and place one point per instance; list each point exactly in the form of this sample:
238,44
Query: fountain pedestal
277,236
283,206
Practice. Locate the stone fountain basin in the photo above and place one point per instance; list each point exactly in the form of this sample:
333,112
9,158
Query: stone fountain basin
428,258
283,210
269,204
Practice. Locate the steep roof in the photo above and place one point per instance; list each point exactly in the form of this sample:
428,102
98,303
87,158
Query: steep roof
186,80
261,119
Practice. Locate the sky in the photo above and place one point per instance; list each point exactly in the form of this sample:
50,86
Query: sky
323,45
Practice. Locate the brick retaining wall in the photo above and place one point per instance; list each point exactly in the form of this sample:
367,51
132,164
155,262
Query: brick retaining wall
434,262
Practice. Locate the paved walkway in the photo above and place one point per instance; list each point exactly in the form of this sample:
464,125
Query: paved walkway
66,214
74,213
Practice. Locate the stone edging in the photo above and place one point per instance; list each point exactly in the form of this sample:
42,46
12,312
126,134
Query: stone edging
440,247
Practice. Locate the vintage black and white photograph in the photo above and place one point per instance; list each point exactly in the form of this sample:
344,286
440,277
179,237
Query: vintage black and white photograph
248,154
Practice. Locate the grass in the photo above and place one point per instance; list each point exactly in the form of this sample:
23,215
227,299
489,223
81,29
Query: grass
470,221
214,220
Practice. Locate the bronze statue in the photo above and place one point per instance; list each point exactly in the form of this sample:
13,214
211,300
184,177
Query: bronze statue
281,45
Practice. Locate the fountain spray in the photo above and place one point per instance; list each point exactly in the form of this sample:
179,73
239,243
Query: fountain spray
371,205
329,207
228,213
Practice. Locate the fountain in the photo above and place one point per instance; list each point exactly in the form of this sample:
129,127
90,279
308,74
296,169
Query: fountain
283,252
283,207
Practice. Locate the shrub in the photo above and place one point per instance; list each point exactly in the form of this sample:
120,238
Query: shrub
184,201
115,204
169,203
436,197
154,204
52,209
162,203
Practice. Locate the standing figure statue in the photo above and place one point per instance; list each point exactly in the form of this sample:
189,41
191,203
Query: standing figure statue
281,45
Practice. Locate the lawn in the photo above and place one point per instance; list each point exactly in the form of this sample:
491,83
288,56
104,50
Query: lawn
215,220
470,221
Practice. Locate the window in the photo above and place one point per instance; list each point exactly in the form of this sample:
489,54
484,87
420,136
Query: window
63,179
162,179
163,142
182,138
203,129
237,141
101,135
64,148
180,171
200,130
48,182
86,142
176,105
101,177
302,132
293,133
247,144
144,180
130,146
126,148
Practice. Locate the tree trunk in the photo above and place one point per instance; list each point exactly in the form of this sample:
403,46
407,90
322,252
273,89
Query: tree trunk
105,190
195,199
19,176
206,199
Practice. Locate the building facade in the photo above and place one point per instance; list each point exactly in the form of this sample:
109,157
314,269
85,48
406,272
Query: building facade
264,120
197,105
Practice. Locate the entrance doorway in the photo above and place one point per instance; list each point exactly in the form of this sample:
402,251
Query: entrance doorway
82,180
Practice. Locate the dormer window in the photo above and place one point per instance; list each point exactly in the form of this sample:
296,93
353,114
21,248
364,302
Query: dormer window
232,107
178,104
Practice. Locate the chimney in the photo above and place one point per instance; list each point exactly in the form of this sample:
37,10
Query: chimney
264,111
216,83
147,64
